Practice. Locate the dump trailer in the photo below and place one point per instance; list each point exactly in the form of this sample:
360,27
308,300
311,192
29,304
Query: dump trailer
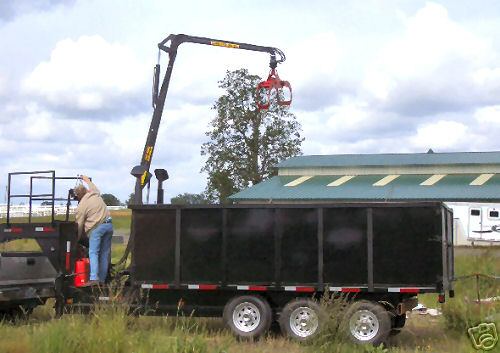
251,264
259,264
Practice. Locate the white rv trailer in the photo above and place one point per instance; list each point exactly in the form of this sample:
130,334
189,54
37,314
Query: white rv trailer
476,223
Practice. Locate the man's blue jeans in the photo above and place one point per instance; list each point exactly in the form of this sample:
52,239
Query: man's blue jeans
100,251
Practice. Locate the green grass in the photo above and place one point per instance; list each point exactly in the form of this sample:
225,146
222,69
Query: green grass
121,220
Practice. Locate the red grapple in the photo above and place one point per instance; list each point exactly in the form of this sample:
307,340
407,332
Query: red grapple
264,91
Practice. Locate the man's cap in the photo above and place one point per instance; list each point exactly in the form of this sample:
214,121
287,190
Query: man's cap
80,190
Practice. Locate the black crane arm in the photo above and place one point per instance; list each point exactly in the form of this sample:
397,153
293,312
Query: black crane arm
170,45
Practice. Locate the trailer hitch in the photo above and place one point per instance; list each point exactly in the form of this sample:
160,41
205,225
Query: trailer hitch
283,91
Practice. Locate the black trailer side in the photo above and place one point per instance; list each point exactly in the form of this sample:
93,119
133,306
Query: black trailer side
202,259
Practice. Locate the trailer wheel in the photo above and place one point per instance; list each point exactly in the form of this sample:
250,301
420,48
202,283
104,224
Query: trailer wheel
368,322
248,316
301,319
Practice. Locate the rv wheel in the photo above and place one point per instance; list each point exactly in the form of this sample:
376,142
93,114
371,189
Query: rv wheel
367,322
248,316
301,319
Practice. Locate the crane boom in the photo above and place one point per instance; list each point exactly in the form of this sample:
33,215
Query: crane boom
170,46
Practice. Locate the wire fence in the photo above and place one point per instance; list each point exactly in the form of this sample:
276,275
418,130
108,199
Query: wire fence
477,280
42,210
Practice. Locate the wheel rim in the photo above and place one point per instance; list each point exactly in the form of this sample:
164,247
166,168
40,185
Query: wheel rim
304,321
246,317
364,325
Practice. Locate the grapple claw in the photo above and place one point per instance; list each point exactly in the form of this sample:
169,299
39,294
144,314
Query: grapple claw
265,88
284,93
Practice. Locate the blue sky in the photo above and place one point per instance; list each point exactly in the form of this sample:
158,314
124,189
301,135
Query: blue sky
368,77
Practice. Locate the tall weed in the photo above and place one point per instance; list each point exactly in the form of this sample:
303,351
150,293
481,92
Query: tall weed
464,310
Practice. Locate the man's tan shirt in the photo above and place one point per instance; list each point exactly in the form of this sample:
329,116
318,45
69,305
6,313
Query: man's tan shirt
91,211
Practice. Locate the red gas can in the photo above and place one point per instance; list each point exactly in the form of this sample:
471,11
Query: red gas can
82,267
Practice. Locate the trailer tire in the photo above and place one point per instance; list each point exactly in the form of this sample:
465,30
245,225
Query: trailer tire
367,323
248,316
301,319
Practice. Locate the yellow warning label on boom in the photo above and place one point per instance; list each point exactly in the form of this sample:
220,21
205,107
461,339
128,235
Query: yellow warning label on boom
225,44
149,152
143,177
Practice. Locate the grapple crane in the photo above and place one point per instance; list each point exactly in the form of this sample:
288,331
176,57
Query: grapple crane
283,92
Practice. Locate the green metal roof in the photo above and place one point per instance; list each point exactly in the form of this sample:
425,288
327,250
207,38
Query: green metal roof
360,188
402,159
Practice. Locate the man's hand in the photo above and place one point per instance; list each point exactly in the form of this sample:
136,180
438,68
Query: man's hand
85,178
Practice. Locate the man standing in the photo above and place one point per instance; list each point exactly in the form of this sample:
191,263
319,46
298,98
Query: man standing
94,220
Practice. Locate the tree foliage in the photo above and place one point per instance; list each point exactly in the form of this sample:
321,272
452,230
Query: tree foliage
246,143
110,200
130,199
189,199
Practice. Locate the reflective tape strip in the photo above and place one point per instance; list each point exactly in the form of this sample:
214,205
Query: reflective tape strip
345,289
299,180
341,180
386,180
257,288
154,286
252,288
480,180
299,289
68,256
44,229
202,286
13,230
403,290
432,179
351,290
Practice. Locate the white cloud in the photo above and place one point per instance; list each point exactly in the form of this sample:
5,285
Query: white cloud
38,125
314,57
435,65
87,74
442,134
488,115
3,85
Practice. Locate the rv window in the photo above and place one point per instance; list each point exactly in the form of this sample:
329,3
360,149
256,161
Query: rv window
475,212
493,214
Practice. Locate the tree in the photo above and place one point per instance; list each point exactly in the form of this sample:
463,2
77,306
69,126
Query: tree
110,200
130,200
189,199
246,143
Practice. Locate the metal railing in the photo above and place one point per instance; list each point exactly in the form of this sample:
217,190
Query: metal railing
49,175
